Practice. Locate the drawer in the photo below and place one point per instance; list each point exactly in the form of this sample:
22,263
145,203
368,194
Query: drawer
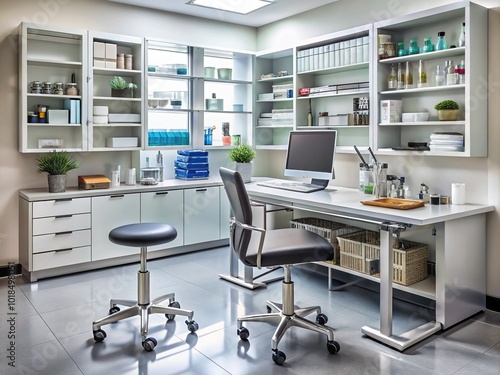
61,258
60,207
63,223
62,240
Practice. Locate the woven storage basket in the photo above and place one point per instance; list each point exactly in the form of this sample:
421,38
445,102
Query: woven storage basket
352,252
326,229
409,260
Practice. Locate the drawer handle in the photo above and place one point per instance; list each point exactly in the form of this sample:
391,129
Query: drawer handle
60,233
162,193
64,200
62,216
117,196
62,250
201,190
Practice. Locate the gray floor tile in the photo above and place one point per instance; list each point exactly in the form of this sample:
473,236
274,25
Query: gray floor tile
28,330
473,335
485,365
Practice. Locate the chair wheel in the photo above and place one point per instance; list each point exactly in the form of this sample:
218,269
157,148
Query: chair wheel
192,326
333,347
176,305
321,319
149,344
269,310
279,357
99,335
114,310
243,333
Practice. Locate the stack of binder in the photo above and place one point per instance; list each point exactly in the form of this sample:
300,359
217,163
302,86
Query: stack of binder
447,141
73,105
191,165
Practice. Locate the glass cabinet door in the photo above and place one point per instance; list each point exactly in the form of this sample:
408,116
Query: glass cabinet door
169,95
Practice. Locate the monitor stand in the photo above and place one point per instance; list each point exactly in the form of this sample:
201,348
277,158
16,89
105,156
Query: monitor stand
324,183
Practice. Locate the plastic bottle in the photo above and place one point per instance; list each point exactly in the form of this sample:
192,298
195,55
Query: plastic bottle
441,43
440,77
159,164
461,39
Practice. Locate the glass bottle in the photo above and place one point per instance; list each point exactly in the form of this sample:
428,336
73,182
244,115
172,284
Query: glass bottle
441,43
392,79
401,77
408,76
461,39
440,77
159,164
309,115
449,70
413,48
422,74
428,46
401,49
462,73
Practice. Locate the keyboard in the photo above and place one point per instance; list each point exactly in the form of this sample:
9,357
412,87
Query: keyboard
300,187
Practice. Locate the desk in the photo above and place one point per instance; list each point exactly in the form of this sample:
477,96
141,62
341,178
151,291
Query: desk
460,245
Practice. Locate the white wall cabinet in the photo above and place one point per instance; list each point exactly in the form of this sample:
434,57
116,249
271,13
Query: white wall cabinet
201,215
51,56
473,121
164,207
109,212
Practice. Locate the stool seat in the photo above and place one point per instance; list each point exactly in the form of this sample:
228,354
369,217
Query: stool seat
142,234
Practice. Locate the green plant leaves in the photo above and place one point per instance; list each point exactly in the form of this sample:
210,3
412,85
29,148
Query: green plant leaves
56,163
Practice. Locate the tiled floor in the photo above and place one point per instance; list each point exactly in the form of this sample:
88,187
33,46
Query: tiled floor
54,334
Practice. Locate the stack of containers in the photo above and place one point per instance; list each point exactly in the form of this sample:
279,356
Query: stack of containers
191,165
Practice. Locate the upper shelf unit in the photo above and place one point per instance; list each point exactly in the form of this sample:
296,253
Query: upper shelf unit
472,121
52,89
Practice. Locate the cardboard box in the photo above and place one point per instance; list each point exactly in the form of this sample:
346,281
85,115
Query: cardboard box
122,142
58,116
99,63
390,111
95,181
99,55
110,51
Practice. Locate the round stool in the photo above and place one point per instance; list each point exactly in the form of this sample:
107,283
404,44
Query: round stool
143,235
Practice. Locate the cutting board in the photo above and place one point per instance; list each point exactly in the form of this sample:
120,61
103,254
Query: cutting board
398,204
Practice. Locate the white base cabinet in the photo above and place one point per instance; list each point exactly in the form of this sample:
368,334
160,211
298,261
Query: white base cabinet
201,215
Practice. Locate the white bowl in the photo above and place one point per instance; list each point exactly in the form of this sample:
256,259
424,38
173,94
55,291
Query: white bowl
415,117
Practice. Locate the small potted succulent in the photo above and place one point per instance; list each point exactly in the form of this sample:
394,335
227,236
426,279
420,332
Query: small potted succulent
56,164
120,88
447,110
243,156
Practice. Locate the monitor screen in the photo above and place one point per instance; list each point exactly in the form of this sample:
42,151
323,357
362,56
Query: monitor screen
311,153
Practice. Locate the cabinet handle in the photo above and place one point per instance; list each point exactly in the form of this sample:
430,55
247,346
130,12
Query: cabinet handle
62,216
201,190
62,250
60,233
162,193
117,196
64,200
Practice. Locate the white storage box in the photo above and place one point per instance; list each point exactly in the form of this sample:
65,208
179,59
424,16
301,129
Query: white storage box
124,117
336,120
100,119
415,117
101,110
122,142
390,111
58,116
267,96
99,55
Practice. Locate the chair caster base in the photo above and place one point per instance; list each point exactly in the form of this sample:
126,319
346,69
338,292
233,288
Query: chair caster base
149,344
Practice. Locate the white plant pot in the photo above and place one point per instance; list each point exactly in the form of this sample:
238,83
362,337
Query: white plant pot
245,169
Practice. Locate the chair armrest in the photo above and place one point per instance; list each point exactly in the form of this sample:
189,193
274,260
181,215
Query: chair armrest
261,240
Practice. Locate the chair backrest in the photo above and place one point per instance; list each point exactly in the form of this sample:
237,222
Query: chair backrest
242,211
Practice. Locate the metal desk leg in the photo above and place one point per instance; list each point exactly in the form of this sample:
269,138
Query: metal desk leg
384,335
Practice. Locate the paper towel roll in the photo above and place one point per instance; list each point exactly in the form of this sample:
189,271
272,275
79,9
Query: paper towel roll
457,193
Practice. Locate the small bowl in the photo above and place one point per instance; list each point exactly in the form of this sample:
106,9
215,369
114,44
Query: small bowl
209,72
153,103
225,73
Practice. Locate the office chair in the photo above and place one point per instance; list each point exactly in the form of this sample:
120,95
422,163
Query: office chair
257,247
143,235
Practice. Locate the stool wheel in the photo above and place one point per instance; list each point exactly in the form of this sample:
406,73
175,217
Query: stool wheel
99,335
114,310
176,305
149,344
192,326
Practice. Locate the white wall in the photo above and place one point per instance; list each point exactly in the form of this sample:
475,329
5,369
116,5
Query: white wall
19,170
481,175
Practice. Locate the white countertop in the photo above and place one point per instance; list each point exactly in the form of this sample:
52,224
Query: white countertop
41,194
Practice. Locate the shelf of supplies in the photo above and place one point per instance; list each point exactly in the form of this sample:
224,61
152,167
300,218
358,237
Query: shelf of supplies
330,94
275,100
337,69
168,76
118,124
117,98
423,89
54,96
161,109
305,127
274,79
450,52
227,81
44,125
113,71
234,112
116,148
390,151
54,63
274,126
40,150
425,123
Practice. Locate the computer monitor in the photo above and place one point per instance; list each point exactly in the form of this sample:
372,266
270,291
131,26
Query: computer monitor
311,154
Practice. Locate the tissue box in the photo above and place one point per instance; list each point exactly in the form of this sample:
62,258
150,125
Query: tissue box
122,142
390,111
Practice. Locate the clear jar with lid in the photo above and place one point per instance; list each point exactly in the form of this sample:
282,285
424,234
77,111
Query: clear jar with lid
402,51
36,87
413,49
47,88
58,88
428,46
71,89
441,43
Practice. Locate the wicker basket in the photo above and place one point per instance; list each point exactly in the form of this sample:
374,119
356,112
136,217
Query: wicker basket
327,229
409,258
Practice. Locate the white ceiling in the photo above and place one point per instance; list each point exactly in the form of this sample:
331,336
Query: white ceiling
280,9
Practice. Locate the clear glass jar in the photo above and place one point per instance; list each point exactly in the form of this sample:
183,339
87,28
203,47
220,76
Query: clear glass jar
401,77
422,74
392,79
440,77
413,49
58,88
71,89
441,43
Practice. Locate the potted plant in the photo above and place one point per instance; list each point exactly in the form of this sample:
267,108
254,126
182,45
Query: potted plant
121,88
243,156
447,110
56,164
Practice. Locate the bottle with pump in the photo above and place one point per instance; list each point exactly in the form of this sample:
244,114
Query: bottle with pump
441,43
461,39
309,115
159,164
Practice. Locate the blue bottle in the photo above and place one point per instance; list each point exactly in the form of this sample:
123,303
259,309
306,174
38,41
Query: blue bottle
441,43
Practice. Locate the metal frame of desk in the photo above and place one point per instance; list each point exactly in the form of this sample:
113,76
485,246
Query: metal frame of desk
460,287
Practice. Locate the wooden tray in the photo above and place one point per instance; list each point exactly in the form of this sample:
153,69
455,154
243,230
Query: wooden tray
398,204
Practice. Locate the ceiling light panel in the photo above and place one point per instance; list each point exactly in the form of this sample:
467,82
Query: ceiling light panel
234,6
